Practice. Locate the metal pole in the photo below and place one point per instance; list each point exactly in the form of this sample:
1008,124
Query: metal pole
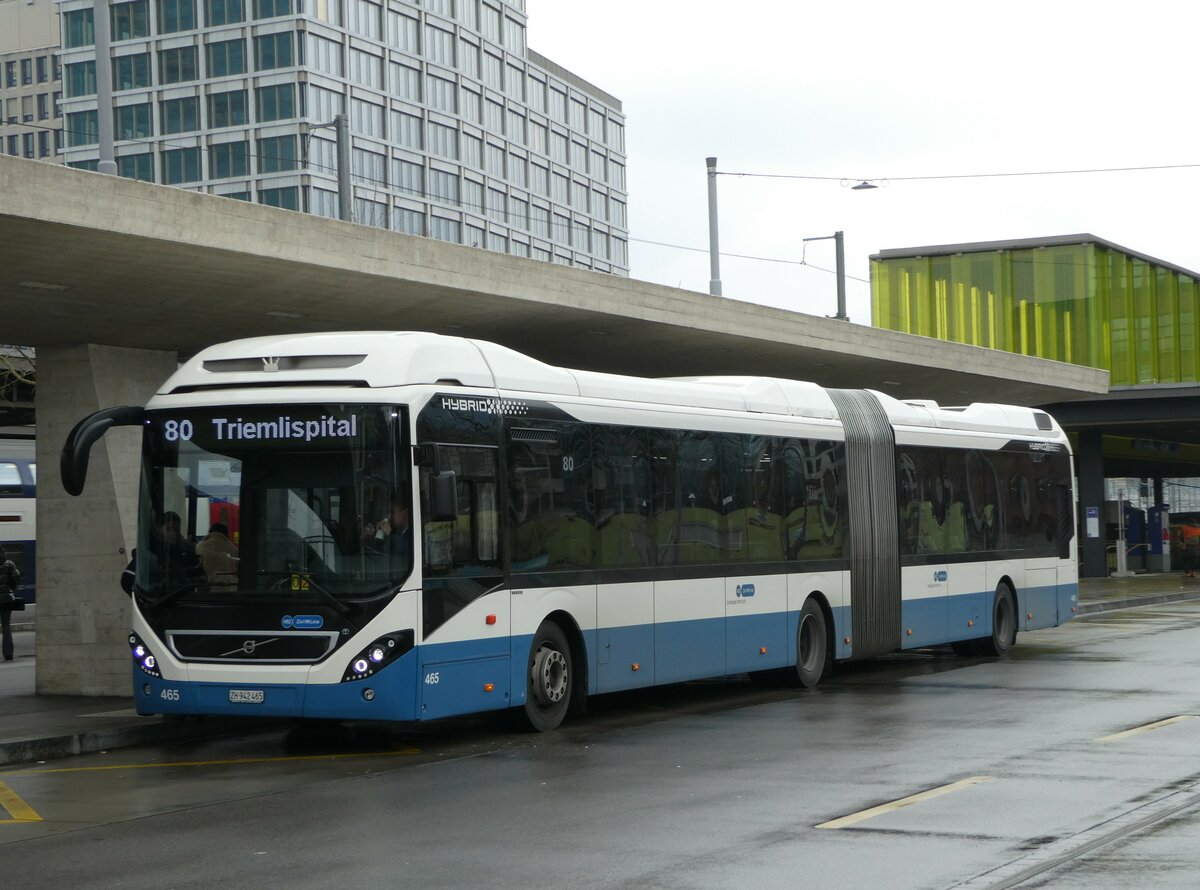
714,255
345,200
104,98
838,241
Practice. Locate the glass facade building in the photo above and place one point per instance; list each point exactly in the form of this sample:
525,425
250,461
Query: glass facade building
459,131
1076,299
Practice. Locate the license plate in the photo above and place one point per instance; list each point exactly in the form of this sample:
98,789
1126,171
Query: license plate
247,696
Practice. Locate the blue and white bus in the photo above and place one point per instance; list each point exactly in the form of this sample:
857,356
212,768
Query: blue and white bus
429,526
18,508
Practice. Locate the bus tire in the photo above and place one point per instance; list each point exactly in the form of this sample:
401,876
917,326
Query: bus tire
1004,623
812,644
549,676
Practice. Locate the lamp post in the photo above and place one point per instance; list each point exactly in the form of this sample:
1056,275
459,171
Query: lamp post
714,254
341,127
839,243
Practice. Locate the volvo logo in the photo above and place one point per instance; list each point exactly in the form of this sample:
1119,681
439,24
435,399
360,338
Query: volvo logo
249,646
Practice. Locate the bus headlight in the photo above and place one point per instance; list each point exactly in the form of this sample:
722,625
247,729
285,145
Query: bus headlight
378,655
143,657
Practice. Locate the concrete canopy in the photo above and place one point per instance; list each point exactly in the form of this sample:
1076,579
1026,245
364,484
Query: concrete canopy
86,258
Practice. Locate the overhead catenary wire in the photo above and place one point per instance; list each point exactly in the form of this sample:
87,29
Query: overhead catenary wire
936,176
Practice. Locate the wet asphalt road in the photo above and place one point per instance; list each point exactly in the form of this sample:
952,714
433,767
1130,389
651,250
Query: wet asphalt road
705,785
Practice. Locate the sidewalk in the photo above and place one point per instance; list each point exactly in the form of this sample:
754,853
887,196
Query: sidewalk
42,727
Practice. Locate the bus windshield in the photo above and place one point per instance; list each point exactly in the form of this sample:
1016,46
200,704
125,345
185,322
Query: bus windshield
303,502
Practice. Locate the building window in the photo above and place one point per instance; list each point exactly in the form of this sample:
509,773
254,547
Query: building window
472,151
140,166
442,94
443,186
42,70
177,65
370,213
133,121
229,159
78,29
404,33
439,46
180,115
275,103
472,195
180,165
369,167
227,109
497,205
81,79
442,7
276,154
579,155
406,82
443,141
269,9
493,116
10,72
366,69
514,36
537,137
82,128
408,177
323,104
558,105
288,198
176,15
406,130
616,175
327,11
445,229
468,58
539,179
324,203
472,106
516,126
366,118
411,222
490,23
26,71
493,160
130,20
325,55
365,18
516,170
539,221
131,72
224,12
616,213
492,68
514,83
27,145
273,51
226,58
43,144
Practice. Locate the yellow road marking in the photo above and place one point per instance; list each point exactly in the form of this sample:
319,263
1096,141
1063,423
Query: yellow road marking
241,761
1149,727
864,815
20,811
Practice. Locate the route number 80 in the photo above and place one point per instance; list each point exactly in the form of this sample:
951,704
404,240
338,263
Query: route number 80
175,430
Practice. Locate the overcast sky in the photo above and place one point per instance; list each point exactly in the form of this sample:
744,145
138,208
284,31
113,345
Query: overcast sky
860,89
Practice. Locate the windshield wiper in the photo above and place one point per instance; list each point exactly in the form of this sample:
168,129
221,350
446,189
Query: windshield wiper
342,608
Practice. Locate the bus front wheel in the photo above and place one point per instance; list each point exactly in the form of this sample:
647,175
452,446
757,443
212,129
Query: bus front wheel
1004,623
812,645
548,678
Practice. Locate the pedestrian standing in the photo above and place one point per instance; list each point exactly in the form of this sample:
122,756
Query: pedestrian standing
9,579
1191,549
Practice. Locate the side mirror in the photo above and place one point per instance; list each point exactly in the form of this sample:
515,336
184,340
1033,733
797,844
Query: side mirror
443,496
73,463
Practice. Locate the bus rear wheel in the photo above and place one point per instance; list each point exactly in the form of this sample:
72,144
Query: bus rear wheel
1004,623
548,678
812,645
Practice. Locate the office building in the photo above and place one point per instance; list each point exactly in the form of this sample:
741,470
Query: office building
458,130
30,80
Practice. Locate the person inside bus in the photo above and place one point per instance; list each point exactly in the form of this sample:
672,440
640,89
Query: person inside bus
175,553
10,577
393,534
219,556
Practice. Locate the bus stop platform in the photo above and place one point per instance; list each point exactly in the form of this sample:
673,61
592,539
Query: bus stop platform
37,728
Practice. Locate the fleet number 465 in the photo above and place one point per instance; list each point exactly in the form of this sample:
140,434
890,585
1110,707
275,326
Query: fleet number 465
169,695
432,679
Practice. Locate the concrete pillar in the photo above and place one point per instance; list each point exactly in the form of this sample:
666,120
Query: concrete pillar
83,542
1089,465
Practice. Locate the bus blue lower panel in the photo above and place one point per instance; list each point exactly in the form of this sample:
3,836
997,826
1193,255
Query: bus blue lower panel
443,680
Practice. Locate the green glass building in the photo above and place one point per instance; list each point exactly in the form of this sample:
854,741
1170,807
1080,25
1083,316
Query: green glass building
1071,298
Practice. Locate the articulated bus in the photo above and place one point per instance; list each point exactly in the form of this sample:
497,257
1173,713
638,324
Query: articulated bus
430,526
18,509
